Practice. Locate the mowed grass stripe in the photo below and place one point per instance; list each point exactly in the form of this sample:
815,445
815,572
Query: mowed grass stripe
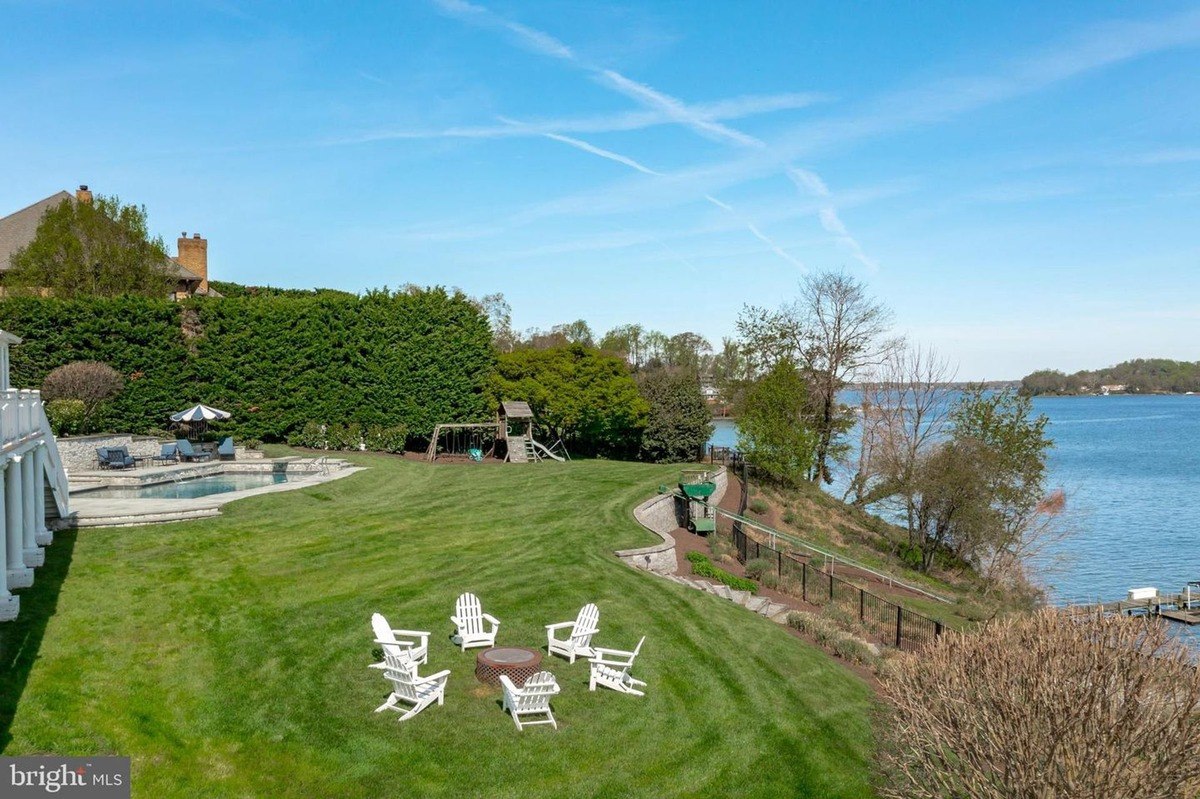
228,656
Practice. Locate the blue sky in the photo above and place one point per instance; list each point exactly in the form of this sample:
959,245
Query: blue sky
1019,181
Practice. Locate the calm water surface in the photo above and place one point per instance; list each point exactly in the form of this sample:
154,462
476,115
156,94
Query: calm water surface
196,487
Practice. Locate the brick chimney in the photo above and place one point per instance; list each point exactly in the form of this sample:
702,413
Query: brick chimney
193,256
83,195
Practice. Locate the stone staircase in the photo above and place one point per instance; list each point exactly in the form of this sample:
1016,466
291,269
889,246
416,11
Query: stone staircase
775,611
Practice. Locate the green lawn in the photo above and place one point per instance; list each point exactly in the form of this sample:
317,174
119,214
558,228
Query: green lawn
228,656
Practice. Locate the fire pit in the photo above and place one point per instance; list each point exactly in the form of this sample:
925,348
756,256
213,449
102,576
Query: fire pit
517,662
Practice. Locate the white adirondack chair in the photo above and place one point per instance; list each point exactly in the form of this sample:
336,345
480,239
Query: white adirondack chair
469,618
610,668
579,642
414,651
411,693
532,699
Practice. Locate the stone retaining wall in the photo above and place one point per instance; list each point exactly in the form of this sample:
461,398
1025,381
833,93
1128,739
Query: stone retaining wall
659,516
79,452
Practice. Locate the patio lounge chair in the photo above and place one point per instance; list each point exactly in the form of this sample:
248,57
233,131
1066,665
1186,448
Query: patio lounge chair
469,618
168,454
114,458
413,652
610,668
188,454
410,689
225,449
579,640
533,699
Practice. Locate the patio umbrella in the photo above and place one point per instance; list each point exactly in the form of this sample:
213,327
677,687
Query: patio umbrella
197,417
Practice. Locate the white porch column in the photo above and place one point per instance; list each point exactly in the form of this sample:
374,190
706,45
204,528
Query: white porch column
19,575
35,556
41,533
10,605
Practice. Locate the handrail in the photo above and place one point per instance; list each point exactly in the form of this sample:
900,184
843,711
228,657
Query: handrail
801,543
23,422
54,465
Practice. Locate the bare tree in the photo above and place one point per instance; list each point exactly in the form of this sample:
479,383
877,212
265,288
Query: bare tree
1045,705
836,330
905,407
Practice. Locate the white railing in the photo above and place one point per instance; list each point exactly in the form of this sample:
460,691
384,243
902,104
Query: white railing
23,420
18,421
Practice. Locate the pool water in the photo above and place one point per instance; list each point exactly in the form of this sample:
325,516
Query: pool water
196,487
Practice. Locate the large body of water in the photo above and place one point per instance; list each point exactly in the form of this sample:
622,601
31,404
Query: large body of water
1131,469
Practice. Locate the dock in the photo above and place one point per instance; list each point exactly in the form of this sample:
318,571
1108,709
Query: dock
1183,607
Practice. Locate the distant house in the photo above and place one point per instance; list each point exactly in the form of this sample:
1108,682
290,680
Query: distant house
189,266
1116,388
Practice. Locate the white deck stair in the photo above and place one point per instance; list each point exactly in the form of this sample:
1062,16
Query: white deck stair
33,485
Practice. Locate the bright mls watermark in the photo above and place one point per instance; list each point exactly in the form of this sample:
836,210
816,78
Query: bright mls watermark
84,777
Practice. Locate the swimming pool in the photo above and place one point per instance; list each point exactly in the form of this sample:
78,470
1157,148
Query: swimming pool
191,489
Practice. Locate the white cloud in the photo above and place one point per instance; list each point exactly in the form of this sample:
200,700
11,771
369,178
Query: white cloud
675,109
730,108
600,151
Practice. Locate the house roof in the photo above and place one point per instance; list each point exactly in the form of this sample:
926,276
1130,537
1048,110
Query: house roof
517,410
18,229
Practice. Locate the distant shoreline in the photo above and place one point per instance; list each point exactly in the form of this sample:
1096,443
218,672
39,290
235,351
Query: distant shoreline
1067,395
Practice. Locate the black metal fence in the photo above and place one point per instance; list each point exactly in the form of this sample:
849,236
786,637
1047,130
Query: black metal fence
891,623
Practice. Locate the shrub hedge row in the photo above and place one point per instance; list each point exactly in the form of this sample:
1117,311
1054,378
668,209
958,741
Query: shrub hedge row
411,358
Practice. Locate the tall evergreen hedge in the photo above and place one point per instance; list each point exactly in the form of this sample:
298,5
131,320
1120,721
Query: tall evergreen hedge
415,358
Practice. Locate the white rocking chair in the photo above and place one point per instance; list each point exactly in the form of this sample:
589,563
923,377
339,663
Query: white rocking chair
410,689
469,618
579,642
532,699
415,652
610,668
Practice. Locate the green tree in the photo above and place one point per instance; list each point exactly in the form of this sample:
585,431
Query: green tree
627,341
834,330
1013,446
586,398
577,332
101,248
773,428
679,423
687,351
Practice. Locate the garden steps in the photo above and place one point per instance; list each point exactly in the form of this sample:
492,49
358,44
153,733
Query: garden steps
756,603
777,612
768,609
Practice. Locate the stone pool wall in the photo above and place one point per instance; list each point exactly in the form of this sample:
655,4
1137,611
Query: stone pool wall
79,452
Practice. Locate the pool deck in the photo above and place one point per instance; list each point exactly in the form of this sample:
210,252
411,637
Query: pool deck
101,511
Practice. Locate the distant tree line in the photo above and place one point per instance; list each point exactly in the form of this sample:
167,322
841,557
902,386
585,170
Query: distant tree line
1139,376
